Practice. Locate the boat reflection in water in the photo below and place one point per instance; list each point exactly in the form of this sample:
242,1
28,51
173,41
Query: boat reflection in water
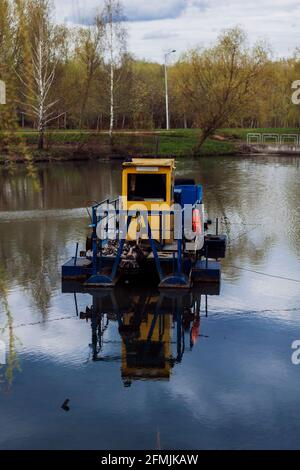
152,326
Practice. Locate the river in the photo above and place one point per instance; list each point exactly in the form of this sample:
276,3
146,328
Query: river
221,375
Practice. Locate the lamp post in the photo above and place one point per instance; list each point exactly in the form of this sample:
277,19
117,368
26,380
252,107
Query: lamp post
167,91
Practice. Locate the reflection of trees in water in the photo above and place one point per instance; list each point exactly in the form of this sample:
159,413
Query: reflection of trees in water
227,193
11,142
33,251
62,186
256,198
292,221
243,252
12,361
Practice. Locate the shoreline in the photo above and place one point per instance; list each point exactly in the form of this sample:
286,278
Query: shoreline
72,146
85,158
6,161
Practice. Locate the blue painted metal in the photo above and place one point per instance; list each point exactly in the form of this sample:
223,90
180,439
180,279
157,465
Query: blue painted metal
76,304
155,254
81,269
206,271
177,194
99,280
94,240
76,254
189,194
179,256
152,326
179,247
160,227
121,247
176,280
180,336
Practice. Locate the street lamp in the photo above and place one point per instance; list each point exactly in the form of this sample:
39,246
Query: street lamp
167,93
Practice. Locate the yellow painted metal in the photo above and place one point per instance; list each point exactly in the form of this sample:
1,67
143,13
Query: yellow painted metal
151,162
147,166
159,371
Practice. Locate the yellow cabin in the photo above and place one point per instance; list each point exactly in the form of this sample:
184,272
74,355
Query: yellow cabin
148,185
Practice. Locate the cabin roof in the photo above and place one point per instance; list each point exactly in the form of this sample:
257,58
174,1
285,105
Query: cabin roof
148,162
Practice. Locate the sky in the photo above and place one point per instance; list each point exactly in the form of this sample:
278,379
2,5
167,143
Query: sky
156,26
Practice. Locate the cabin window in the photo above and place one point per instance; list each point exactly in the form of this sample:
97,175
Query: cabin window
147,187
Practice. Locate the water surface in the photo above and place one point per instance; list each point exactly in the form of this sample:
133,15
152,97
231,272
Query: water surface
221,381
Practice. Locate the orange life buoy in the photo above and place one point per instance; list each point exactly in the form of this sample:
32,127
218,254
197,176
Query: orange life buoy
197,222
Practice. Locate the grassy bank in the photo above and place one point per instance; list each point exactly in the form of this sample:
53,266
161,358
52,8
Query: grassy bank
74,144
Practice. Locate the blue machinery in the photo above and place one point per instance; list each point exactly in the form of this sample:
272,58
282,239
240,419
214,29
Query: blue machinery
168,257
176,265
177,278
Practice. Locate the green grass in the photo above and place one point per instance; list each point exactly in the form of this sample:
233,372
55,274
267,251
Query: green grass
177,142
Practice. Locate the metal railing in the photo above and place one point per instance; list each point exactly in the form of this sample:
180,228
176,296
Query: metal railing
123,218
271,137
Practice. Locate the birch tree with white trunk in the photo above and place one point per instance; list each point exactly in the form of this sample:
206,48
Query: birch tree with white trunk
116,42
37,88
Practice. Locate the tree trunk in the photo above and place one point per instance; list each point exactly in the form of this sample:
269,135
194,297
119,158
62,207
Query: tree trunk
111,125
84,102
204,135
184,122
41,141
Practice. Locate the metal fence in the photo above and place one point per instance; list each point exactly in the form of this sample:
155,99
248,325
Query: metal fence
272,138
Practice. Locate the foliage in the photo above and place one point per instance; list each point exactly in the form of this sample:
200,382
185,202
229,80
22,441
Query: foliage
99,86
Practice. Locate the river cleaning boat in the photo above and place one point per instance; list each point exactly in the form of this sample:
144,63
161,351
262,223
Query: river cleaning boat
155,230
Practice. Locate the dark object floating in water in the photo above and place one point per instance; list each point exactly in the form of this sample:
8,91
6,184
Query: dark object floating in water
65,405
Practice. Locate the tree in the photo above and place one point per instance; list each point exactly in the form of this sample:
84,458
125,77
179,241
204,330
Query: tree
7,61
148,108
115,35
89,52
38,83
87,75
221,80
8,122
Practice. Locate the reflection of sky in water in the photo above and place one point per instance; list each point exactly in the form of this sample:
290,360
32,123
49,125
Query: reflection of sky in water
236,388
